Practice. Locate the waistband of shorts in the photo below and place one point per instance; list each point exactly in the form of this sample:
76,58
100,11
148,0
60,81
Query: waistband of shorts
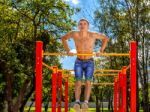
90,59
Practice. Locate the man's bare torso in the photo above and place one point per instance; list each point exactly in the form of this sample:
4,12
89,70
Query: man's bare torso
84,42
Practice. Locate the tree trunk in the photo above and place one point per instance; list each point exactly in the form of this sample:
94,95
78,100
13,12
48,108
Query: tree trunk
19,101
9,82
96,91
111,105
28,96
97,104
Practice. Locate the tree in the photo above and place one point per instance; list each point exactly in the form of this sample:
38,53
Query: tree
22,23
125,21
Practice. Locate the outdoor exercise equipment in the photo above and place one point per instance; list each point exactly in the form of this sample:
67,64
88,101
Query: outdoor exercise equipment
118,84
120,91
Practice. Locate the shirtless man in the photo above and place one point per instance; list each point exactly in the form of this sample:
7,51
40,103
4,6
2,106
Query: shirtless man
84,65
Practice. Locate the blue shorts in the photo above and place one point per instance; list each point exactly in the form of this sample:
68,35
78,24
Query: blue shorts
84,67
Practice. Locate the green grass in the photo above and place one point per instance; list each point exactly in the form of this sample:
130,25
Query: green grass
71,110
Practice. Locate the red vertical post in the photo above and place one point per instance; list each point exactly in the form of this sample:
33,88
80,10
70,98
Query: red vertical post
38,85
54,88
120,92
133,76
124,89
66,95
59,90
115,94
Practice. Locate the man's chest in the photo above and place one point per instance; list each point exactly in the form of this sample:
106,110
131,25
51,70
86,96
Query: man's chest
84,40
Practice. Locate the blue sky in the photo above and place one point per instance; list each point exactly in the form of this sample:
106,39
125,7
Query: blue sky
87,11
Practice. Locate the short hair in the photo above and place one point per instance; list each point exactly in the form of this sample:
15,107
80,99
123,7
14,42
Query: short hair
83,20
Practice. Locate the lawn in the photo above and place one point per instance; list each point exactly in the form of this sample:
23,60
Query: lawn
71,110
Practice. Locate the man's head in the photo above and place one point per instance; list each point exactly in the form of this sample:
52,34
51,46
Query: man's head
83,25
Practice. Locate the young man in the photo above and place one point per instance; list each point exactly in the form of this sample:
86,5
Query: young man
84,65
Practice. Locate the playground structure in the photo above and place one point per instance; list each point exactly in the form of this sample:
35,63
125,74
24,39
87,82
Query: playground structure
120,82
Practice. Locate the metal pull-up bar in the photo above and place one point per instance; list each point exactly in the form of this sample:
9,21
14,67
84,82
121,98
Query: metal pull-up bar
93,54
39,57
97,84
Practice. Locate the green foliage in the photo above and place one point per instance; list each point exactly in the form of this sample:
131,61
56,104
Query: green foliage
22,23
124,21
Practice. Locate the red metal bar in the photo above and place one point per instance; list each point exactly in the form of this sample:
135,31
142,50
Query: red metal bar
120,92
115,94
59,90
124,89
66,95
133,76
54,88
38,88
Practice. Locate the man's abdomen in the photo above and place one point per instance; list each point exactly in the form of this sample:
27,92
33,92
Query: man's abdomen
85,56
84,48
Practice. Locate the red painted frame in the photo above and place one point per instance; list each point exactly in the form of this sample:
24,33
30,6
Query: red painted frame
124,88
66,95
115,94
59,90
38,82
133,76
54,88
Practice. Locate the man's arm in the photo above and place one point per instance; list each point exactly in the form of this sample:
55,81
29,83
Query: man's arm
104,40
64,41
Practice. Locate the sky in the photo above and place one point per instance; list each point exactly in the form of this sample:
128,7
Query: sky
87,11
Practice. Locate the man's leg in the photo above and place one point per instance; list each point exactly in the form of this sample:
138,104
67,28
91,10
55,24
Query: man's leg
87,91
78,76
88,76
78,90
77,96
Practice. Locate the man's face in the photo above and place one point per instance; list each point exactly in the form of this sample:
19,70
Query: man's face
83,26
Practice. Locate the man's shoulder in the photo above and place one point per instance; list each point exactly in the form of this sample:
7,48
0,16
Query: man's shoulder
75,31
93,33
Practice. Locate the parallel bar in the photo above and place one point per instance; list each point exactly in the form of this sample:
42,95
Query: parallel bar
103,70
46,65
67,76
38,89
96,84
99,70
106,75
103,84
104,54
98,75
133,76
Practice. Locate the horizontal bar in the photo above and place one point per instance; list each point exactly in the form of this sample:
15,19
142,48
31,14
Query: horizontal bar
103,84
102,70
106,75
128,67
46,65
95,84
107,70
93,54
99,70
69,75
